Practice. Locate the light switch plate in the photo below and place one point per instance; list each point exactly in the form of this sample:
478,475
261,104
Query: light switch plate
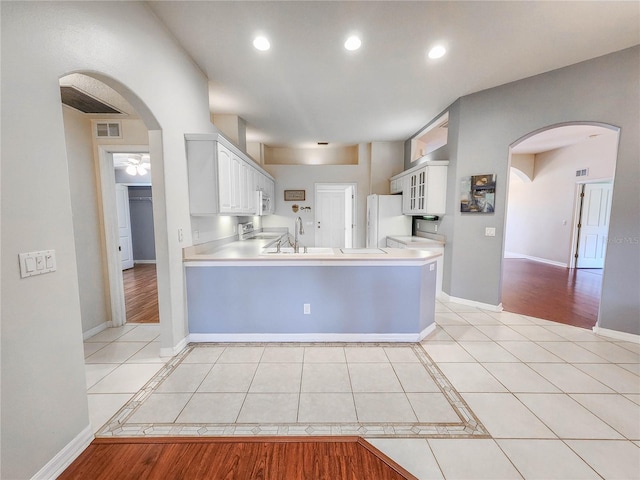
37,263
490,232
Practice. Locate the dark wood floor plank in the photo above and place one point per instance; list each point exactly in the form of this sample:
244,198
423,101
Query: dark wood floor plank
569,296
234,459
141,293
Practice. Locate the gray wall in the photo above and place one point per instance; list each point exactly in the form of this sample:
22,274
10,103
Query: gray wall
482,127
43,398
141,213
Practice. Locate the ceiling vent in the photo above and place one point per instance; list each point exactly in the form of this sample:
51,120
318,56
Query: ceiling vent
76,98
108,130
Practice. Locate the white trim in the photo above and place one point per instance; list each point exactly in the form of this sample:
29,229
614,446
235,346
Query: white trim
173,351
64,458
144,262
297,262
110,227
311,337
627,337
535,259
472,303
95,330
427,331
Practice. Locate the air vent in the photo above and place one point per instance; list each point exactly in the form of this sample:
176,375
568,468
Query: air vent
108,130
76,98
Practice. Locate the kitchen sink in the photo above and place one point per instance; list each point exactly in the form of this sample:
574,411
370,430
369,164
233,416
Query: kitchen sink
289,251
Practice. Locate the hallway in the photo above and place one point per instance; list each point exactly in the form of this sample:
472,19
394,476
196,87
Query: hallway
569,296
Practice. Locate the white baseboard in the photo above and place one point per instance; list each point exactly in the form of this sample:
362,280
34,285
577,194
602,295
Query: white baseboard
427,331
310,337
95,330
64,458
173,351
144,261
535,259
627,337
472,303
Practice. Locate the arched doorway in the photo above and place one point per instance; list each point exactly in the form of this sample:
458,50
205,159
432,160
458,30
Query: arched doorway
546,216
105,195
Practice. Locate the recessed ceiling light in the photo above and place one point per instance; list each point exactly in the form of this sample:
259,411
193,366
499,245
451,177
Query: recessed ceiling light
437,52
352,43
261,43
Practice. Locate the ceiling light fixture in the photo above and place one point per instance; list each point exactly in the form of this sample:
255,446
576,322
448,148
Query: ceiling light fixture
138,165
261,43
437,52
352,43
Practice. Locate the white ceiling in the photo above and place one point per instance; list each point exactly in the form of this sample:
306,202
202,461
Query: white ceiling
308,88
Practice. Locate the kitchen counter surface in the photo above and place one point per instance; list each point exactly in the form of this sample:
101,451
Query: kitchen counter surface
412,241
253,251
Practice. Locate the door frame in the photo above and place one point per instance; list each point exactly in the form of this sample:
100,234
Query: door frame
339,187
577,215
109,218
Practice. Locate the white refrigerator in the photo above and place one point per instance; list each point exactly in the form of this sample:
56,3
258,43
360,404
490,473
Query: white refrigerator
385,218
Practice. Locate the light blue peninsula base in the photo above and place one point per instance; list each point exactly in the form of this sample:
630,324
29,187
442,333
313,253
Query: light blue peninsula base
347,301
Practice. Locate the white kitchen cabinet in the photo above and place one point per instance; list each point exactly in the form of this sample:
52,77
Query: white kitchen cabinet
222,179
424,189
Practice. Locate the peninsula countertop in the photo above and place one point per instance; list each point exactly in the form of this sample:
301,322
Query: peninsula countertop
417,242
255,251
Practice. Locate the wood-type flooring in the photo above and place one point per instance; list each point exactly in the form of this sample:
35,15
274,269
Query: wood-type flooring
273,458
141,293
565,295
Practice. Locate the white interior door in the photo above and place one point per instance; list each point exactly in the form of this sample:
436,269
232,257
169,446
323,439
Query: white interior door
331,218
124,226
594,225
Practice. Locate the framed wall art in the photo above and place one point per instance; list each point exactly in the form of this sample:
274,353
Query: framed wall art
294,195
478,194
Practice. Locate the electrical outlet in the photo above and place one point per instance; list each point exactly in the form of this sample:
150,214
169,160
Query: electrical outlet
307,309
180,235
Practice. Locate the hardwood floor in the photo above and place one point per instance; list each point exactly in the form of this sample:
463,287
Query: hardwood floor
570,296
141,293
331,458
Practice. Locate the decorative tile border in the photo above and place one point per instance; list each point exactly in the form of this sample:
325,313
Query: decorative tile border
468,427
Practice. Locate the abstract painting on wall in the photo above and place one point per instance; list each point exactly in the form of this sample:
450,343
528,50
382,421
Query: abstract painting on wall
478,194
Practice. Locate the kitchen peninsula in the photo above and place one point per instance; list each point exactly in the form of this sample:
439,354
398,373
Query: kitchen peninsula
239,292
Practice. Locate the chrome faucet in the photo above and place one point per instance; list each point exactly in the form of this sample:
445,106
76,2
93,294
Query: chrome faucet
298,229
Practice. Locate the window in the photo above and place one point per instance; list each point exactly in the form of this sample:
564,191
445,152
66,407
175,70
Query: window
431,138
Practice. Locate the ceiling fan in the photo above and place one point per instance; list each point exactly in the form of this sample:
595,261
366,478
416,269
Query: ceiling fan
138,164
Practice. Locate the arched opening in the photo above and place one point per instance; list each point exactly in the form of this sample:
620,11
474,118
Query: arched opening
556,226
93,190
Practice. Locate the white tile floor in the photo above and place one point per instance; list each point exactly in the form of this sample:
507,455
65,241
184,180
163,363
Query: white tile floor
558,402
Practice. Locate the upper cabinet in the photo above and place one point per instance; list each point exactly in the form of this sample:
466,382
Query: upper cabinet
222,179
423,188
